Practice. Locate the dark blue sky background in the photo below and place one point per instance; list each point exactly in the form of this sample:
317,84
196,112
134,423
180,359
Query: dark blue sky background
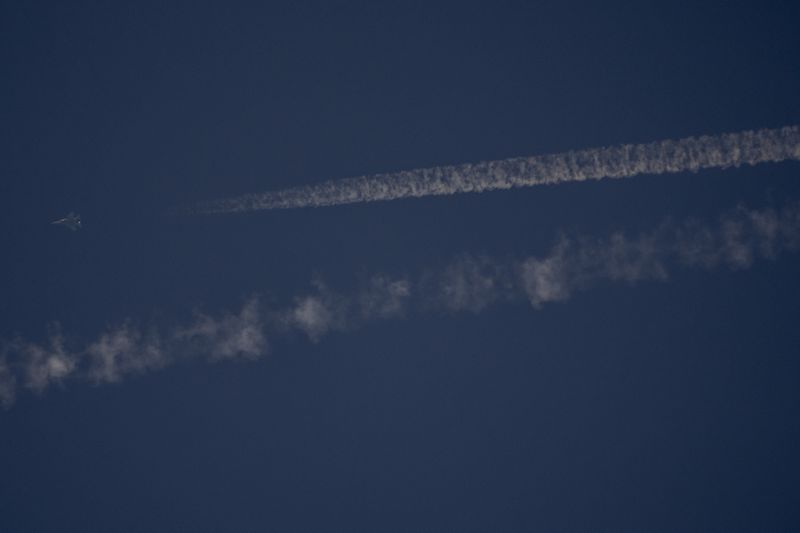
663,407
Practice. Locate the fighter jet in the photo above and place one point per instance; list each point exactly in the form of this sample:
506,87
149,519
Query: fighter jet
72,221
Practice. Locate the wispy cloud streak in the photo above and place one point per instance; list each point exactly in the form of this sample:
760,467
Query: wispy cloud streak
127,350
468,284
670,156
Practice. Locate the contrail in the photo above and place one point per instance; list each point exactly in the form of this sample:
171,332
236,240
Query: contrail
624,161
467,284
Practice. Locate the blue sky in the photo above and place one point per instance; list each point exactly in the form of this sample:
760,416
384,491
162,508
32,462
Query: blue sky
650,402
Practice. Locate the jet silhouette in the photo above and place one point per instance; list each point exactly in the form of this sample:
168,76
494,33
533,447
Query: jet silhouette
72,221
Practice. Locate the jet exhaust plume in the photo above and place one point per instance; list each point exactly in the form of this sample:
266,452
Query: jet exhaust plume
467,284
623,161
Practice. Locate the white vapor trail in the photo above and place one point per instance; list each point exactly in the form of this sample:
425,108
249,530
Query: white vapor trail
468,284
627,160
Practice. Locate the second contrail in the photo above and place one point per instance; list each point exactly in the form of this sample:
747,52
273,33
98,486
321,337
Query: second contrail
623,161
